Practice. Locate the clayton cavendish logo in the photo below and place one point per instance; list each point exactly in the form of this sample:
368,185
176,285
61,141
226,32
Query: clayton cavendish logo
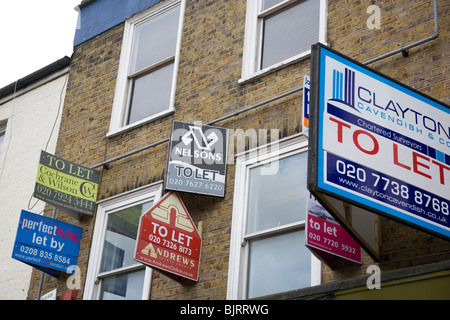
393,110
344,87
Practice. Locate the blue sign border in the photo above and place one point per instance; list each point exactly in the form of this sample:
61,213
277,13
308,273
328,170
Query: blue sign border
46,244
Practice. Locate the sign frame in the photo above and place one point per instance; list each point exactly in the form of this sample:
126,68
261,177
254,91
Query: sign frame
46,243
173,250
197,160
346,205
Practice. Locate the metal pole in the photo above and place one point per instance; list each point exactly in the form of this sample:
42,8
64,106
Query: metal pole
43,273
236,113
404,50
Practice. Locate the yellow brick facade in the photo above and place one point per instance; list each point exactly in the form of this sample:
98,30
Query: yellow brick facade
208,88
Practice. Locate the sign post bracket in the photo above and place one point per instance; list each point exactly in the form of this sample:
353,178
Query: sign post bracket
41,282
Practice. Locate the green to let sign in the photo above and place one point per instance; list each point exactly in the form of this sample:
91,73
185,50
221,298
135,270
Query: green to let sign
65,185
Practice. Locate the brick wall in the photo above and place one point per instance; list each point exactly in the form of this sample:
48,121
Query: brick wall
207,88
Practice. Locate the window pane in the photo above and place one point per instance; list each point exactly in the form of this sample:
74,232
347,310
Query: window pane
123,286
277,199
155,40
120,237
278,264
270,3
151,94
290,32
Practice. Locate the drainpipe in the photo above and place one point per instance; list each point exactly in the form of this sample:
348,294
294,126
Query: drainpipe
404,50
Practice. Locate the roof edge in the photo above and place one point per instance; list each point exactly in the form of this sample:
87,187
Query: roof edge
85,3
35,76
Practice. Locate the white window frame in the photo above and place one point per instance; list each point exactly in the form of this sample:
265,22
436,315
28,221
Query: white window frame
239,249
117,203
253,39
122,93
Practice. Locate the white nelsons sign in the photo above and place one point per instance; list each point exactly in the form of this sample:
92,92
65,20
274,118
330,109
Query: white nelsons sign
378,144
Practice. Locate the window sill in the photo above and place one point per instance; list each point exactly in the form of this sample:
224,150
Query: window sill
251,77
115,132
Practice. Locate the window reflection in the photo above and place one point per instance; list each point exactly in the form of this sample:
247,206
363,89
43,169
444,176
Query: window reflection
278,259
276,199
118,253
278,264
126,286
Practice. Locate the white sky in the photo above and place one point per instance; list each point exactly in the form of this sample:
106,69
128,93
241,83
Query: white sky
33,34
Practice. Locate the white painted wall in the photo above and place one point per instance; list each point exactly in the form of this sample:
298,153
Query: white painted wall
31,115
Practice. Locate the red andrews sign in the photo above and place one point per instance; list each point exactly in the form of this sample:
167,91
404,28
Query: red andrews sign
168,239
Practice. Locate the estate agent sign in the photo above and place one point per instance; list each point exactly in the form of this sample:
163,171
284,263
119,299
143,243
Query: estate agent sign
378,145
326,238
65,185
197,159
46,244
168,239
305,104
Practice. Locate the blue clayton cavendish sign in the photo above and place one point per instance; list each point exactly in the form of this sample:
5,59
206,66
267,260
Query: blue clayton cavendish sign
46,244
380,144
